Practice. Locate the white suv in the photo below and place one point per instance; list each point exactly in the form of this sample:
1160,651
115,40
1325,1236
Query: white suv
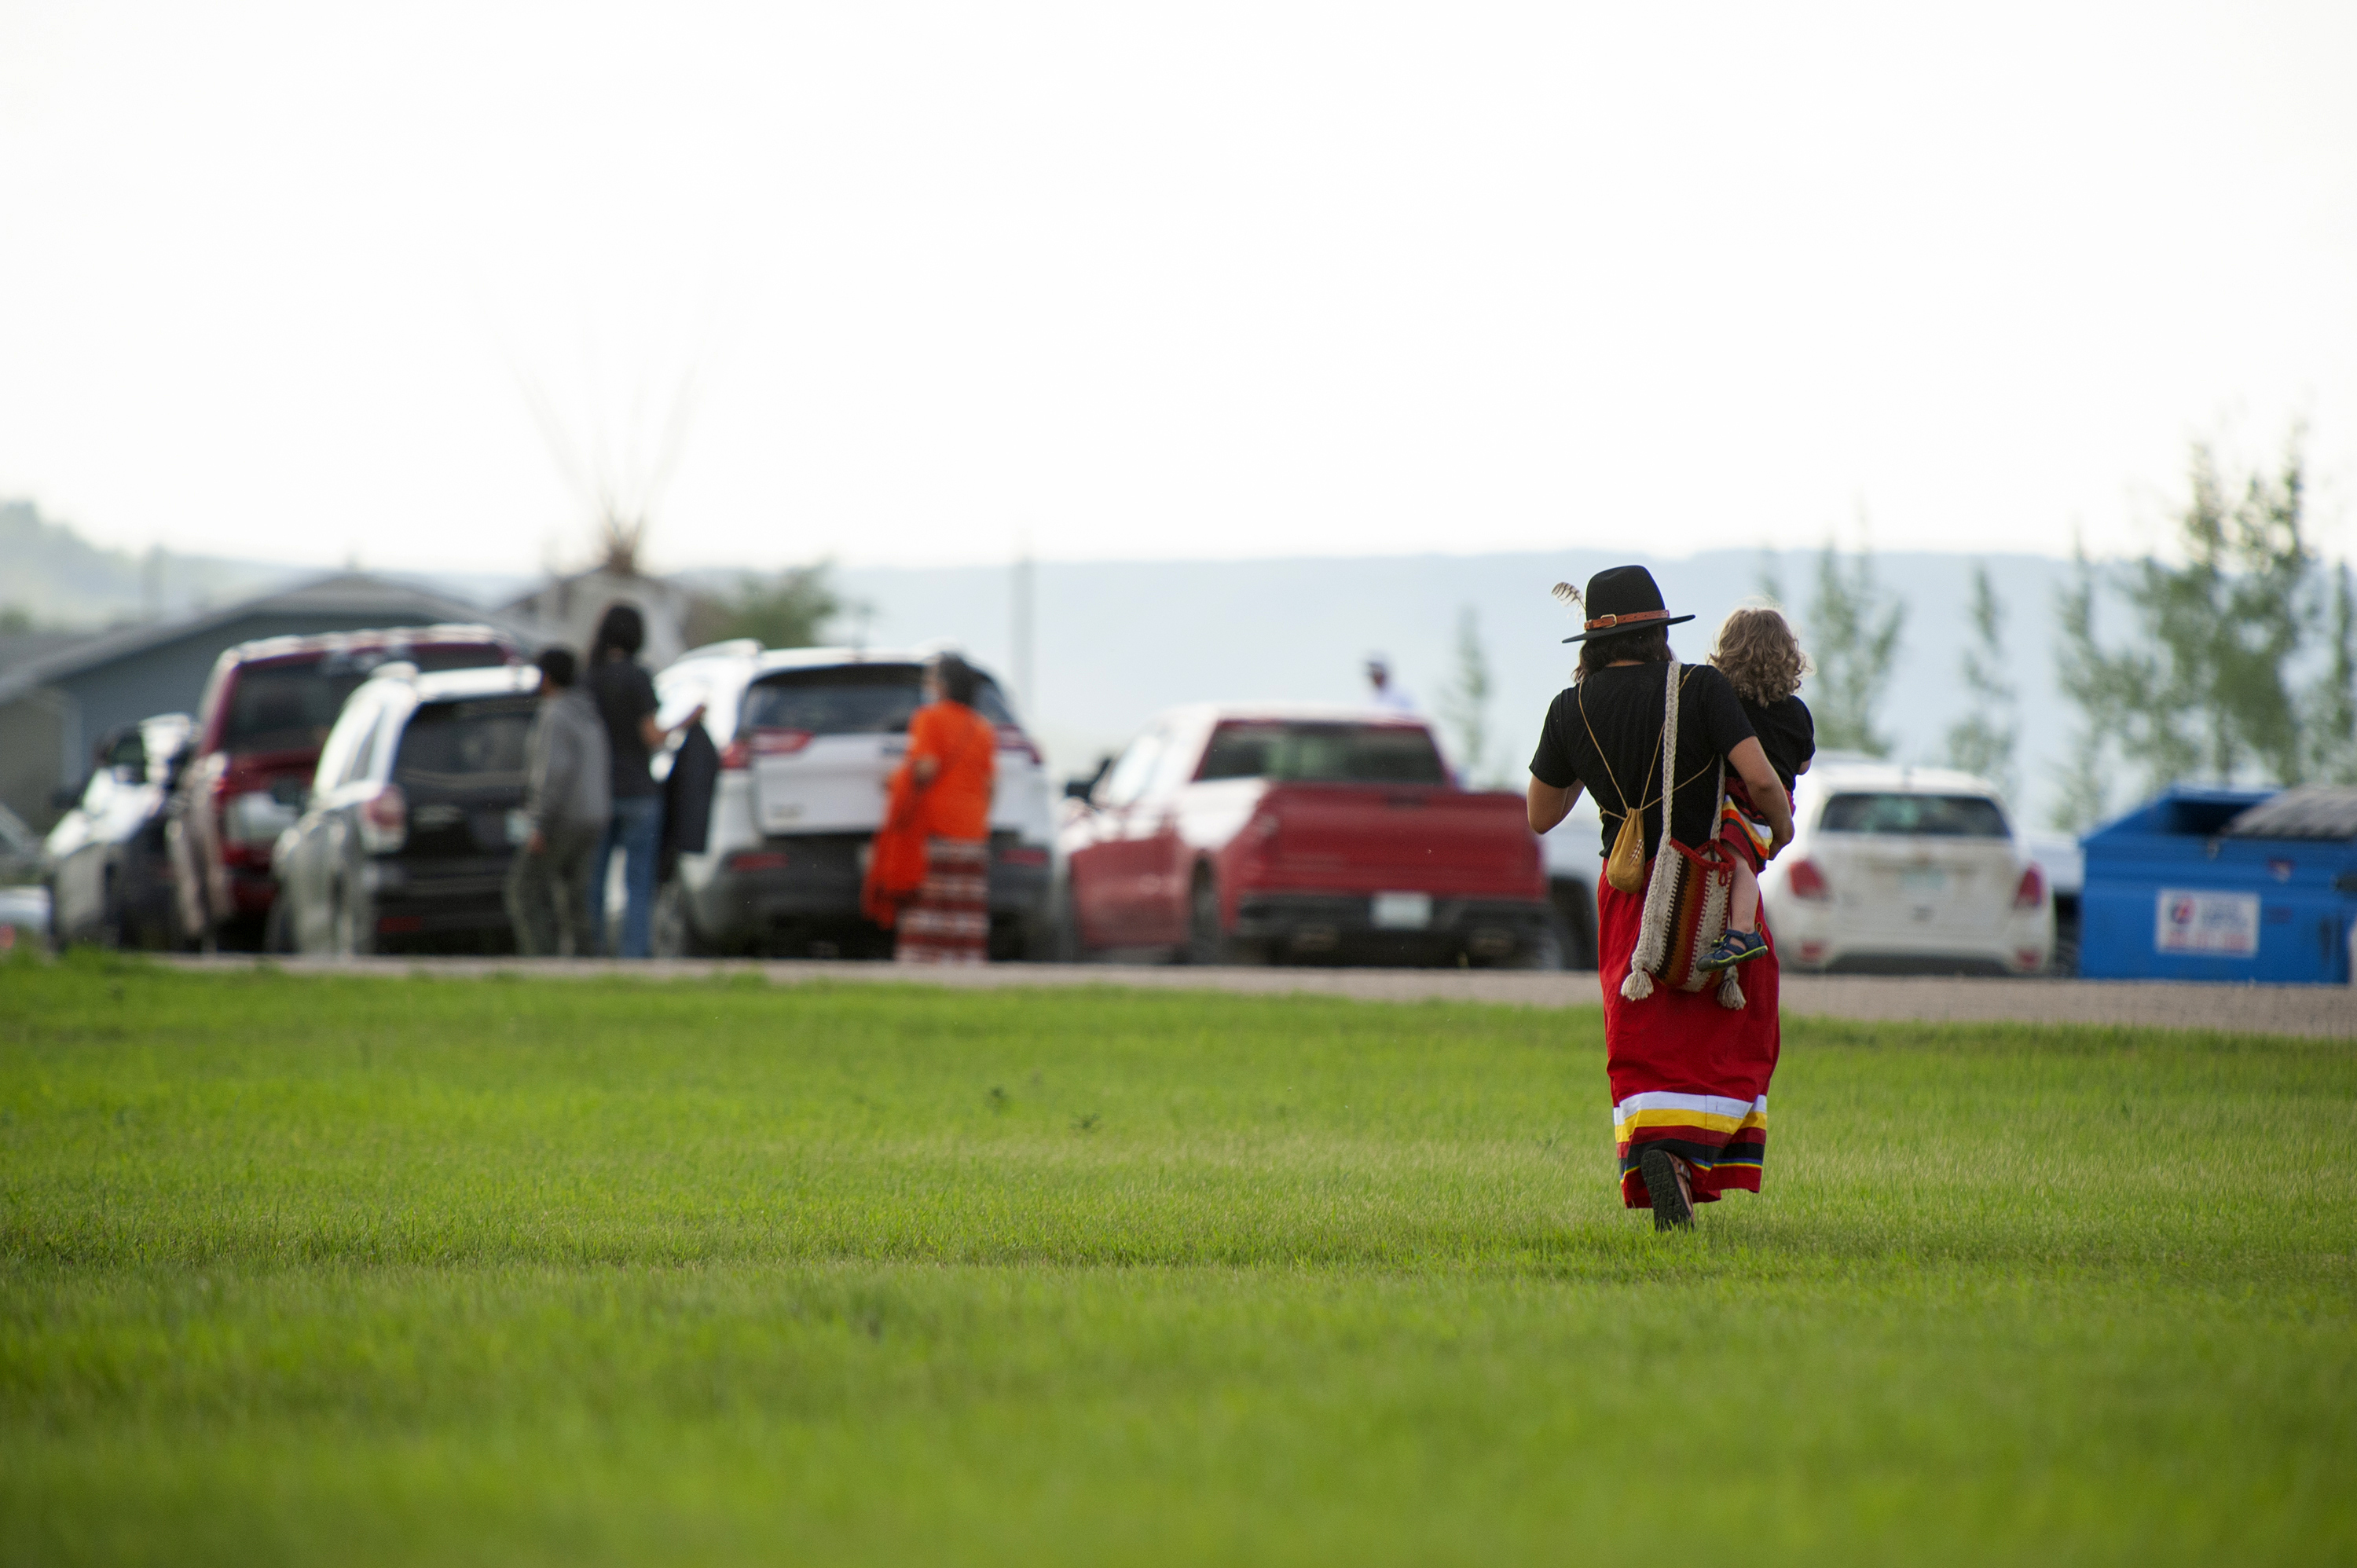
1906,870
807,738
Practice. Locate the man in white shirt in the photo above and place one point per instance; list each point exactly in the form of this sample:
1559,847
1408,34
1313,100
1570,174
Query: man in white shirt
1387,693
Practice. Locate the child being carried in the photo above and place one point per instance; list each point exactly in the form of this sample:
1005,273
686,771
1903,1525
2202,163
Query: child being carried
1762,661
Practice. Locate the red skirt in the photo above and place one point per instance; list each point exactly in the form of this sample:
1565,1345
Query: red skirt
949,919
1687,1074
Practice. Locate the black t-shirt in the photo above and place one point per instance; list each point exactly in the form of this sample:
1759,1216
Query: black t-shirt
1787,733
1622,706
625,694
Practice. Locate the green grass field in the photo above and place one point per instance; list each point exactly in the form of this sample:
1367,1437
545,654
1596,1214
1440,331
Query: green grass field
506,1271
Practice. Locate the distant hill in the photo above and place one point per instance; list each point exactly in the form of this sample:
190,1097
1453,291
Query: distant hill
1117,641
60,580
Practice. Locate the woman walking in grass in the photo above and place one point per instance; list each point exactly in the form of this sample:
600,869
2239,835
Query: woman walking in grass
929,870
1688,1051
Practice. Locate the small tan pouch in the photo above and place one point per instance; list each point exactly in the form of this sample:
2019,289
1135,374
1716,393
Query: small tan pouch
1625,866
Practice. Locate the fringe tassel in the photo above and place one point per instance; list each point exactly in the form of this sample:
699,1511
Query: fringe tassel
1731,993
1638,986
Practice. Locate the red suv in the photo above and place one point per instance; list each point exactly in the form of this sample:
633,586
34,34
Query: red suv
265,712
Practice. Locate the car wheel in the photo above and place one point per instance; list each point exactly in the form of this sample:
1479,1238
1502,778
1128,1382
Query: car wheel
350,929
277,928
674,934
109,931
1061,933
1545,952
1575,909
1206,942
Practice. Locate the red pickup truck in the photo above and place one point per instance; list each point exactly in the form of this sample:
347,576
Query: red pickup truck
1264,834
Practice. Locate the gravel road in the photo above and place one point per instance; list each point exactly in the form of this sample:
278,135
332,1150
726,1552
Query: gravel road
2319,1011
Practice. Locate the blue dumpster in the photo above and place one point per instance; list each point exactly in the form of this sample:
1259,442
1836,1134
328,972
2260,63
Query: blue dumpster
2233,885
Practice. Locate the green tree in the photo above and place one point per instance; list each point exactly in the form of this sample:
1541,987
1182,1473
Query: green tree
2331,724
1983,741
791,609
1465,705
1852,636
2207,687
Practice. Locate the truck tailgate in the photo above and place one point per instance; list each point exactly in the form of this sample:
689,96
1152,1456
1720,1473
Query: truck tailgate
1373,838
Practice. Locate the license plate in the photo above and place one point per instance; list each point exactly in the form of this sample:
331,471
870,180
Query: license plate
519,827
1402,911
1923,879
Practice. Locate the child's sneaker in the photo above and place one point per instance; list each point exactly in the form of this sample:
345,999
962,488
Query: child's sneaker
1735,947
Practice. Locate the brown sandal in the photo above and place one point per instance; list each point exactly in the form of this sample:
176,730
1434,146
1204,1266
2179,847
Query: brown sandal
1666,1185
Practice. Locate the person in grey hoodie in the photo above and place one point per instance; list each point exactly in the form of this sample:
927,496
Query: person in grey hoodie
567,800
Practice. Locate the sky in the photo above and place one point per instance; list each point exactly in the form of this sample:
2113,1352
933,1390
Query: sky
937,283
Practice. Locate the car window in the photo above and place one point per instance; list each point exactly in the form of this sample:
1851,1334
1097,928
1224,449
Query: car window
128,751
1323,753
1173,767
1126,780
336,756
851,699
363,761
290,706
464,744
1904,814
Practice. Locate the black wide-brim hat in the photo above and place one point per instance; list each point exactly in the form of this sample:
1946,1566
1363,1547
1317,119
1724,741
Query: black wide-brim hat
1622,599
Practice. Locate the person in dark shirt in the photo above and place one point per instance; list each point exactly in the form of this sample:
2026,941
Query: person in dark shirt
625,697
1689,1076
1762,661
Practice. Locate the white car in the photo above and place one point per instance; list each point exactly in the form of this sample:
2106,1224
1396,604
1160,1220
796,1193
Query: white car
104,862
1906,870
808,738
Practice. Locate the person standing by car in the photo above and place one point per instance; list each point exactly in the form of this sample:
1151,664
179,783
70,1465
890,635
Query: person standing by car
567,801
929,868
1688,1073
625,697
1384,693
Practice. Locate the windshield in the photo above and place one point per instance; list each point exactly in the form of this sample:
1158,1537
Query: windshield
853,699
472,743
1929,816
290,706
1324,753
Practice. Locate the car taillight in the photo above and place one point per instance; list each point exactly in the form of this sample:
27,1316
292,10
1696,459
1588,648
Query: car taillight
738,753
1013,739
384,821
2032,891
1805,881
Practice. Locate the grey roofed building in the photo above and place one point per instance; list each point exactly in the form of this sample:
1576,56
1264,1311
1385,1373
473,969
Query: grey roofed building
571,607
55,704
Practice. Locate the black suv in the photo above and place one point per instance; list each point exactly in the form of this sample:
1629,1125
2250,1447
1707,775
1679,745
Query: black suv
412,818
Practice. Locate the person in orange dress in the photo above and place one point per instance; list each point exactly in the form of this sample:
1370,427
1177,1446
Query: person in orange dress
929,872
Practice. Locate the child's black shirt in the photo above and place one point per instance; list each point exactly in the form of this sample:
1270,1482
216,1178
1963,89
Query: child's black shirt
1787,734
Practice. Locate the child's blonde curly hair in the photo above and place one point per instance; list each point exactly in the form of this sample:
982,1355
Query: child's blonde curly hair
1758,655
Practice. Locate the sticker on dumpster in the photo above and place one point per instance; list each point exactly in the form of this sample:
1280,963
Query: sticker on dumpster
2226,924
